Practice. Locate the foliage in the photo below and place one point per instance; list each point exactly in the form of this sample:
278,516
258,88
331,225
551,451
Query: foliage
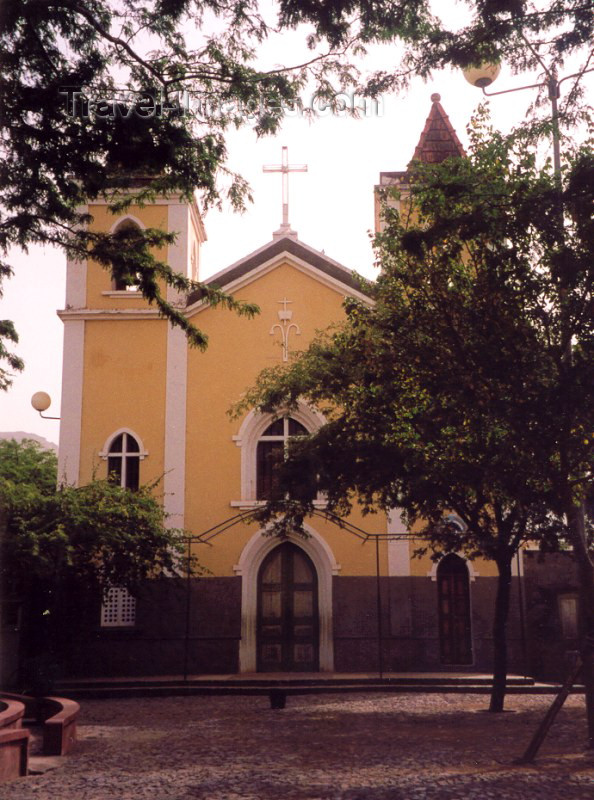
467,386
8,334
96,536
27,463
133,62
456,376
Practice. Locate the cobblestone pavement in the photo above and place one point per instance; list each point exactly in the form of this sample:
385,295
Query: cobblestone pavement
325,747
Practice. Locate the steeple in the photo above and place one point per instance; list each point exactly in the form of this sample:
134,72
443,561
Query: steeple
438,140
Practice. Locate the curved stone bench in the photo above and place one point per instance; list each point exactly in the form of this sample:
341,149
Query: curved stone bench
14,740
11,713
59,717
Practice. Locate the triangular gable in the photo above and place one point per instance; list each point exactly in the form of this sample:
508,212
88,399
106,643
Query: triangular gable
248,268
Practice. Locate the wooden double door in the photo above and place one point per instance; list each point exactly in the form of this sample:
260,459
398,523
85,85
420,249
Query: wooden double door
288,617
455,633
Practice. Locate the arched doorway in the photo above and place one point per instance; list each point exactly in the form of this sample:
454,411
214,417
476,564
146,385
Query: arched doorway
453,592
288,618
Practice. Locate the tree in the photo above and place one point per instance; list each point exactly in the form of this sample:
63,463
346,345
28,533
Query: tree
454,392
93,96
63,548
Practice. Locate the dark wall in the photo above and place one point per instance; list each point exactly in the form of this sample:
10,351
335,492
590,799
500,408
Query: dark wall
410,625
547,577
175,630
167,640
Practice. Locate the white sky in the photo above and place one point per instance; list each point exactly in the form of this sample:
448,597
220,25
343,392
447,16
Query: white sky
331,207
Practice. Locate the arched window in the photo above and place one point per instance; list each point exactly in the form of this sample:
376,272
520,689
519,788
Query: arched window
127,229
263,441
270,452
123,461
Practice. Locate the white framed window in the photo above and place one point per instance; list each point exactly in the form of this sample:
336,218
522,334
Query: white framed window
126,228
123,452
271,450
118,609
263,439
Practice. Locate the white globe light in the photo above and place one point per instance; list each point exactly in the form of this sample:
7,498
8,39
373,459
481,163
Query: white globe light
483,75
41,401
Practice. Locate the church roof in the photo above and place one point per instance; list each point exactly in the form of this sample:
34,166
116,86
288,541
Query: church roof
273,250
438,140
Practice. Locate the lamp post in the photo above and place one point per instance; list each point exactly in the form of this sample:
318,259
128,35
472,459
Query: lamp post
41,401
482,77
485,74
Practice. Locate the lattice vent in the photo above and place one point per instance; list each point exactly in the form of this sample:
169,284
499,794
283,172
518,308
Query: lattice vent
118,609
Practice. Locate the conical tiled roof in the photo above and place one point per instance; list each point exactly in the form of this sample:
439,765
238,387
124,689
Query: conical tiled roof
438,140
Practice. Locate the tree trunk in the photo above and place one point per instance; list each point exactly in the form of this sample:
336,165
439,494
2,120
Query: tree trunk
577,531
502,602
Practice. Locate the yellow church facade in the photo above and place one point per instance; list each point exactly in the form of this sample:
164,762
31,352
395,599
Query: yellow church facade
140,404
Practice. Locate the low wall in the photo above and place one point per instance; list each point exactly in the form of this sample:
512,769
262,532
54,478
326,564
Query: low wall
11,714
59,718
14,741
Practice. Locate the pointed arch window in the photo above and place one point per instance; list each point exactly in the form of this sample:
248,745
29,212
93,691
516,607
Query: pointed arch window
270,452
123,461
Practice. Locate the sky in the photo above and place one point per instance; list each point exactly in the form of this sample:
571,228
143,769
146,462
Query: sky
330,207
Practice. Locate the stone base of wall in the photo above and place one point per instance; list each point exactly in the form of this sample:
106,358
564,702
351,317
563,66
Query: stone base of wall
547,579
410,626
195,629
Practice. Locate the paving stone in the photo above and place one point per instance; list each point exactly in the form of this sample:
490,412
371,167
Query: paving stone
339,747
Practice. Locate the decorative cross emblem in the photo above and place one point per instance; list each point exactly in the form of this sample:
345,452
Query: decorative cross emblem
284,168
285,326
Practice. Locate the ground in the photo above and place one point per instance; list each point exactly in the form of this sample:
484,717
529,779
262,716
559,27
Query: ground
326,747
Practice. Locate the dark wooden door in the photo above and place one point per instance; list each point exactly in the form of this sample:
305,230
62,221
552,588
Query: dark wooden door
288,623
454,611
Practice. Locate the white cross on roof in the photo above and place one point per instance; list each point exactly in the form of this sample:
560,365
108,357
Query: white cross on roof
284,168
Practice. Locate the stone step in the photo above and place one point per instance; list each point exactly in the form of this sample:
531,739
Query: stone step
181,689
288,682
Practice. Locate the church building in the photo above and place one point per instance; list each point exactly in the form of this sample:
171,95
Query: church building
140,404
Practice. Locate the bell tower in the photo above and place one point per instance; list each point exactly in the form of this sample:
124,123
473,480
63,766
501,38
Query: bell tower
437,142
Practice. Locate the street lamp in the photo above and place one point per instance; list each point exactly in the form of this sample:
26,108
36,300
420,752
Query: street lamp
481,77
484,75
41,401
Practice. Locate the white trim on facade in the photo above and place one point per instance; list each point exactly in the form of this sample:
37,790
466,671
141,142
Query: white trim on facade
76,283
71,403
176,381
398,549
472,573
252,556
122,294
517,567
104,453
111,313
260,503
76,277
127,218
250,431
282,258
